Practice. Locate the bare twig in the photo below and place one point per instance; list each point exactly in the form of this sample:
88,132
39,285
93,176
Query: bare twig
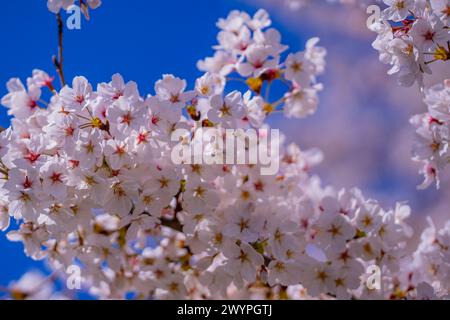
58,61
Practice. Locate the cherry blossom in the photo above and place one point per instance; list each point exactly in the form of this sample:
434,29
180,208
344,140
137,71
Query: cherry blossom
33,285
431,146
412,35
88,177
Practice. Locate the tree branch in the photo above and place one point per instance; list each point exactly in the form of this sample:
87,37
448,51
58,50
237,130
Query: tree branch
58,61
172,223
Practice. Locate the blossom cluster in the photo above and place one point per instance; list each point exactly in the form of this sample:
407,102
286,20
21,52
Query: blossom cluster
248,48
432,127
412,34
432,256
89,179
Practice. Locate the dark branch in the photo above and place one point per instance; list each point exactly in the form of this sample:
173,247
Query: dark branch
58,61
172,223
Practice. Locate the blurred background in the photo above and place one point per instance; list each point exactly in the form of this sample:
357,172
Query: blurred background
362,124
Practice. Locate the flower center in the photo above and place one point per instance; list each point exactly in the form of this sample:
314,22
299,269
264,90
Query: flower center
297,67
55,177
429,35
400,5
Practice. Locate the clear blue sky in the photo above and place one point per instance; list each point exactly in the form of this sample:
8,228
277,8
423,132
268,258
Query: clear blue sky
139,39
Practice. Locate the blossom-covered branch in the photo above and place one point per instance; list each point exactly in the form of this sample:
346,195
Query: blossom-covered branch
90,179
412,35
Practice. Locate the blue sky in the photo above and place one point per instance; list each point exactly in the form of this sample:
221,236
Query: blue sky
139,39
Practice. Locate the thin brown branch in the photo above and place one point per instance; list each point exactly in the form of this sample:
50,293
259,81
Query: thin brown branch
58,61
172,223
